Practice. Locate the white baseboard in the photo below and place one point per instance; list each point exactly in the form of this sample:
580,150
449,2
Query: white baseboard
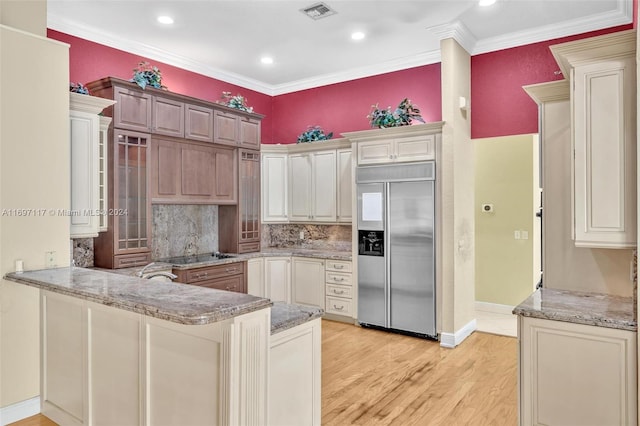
20,410
451,340
494,308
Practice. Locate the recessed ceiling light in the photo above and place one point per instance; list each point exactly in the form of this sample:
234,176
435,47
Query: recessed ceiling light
486,2
266,60
358,35
167,20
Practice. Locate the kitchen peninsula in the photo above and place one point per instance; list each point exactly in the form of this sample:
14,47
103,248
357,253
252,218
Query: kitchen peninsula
122,350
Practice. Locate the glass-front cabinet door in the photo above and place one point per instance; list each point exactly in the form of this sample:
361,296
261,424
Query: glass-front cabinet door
132,206
249,203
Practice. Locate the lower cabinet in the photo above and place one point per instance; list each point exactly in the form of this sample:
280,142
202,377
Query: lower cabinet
308,281
339,288
229,277
277,278
574,374
255,277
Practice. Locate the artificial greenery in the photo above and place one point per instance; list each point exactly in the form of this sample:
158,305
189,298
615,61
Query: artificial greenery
401,116
313,134
237,102
78,88
146,74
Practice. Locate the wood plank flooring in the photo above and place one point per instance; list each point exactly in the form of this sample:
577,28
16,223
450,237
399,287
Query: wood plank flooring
371,377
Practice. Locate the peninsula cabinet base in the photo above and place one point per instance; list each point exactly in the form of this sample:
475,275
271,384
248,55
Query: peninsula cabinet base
574,374
106,366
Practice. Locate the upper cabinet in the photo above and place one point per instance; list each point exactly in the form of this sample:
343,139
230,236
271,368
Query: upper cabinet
167,117
226,128
602,71
198,123
249,133
396,144
87,164
132,110
308,182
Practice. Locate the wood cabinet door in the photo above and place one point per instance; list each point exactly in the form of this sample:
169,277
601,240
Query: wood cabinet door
198,123
300,196
277,276
375,152
197,176
307,276
249,133
132,110
255,277
168,117
226,175
274,188
416,148
344,185
249,197
226,128
165,169
323,188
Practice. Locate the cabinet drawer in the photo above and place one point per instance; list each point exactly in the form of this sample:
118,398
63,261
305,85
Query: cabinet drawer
336,305
235,283
213,272
339,291
338,265
129,260
338,278
248,247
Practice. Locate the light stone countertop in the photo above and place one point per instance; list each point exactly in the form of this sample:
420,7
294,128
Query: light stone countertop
179,303
601,310
270,252
285,316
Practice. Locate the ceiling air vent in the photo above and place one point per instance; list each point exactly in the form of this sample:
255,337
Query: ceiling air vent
318,10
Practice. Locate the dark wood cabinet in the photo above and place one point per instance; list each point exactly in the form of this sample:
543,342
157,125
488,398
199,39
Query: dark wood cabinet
229,276
132,110
168,117
186,172
241,222
249,133
198,123
127,241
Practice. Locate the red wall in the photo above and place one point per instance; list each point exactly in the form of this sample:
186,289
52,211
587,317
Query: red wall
499,105
343,107
89,61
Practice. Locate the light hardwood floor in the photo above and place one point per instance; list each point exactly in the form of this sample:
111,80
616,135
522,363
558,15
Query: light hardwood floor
371,377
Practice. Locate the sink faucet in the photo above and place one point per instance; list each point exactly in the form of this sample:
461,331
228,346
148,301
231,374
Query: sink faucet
141,272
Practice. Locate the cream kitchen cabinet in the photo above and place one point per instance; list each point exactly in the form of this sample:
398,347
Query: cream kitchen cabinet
103,161
344,185
274,187
339,289
602,71
575,374
255,277
308,278
312,187
86,130
277,278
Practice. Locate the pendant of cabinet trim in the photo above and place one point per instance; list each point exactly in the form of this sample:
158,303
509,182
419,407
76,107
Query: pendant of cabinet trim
602,71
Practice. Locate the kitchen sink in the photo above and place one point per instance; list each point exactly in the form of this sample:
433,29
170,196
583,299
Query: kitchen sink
185,260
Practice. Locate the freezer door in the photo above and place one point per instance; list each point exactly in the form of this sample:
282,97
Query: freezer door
410,236
372,294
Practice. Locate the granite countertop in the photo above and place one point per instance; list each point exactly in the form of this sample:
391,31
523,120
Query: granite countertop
269,252
285,316
601,310
180,303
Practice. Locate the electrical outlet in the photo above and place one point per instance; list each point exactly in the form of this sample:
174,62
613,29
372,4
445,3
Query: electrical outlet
302,235
50,259
524,235
516,235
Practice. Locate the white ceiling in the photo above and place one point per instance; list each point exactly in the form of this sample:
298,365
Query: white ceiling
225,39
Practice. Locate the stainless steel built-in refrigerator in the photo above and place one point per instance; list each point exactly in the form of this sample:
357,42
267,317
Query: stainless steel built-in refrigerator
396,248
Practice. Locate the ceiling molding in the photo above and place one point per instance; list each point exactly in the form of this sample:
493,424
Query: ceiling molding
457,31
425,58
63,25
622,16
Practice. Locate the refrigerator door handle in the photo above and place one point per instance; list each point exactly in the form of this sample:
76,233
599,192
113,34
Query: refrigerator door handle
387,258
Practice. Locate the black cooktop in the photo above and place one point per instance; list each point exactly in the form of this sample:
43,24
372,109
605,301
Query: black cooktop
185,260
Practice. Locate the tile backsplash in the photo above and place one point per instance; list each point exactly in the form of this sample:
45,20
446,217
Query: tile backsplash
320,237
183,230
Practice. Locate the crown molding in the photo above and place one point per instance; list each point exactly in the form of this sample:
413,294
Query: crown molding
621,16
458,31
425,58
553,91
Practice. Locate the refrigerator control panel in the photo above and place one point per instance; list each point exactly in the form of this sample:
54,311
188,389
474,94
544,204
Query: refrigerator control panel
370,243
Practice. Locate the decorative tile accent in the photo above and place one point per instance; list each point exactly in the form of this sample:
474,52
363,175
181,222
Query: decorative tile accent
183,230
82,252
316,237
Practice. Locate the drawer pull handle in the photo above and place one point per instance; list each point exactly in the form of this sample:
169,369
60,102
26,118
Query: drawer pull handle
338,266
338,309
338,279
338,291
